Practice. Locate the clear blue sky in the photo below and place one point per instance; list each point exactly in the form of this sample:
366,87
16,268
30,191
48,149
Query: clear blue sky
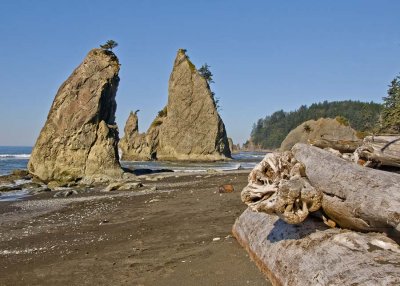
265,55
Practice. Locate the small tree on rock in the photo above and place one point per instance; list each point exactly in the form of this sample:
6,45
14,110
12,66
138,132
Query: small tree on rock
109,45
206,73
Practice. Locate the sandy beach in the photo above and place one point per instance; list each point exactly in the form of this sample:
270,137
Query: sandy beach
179,234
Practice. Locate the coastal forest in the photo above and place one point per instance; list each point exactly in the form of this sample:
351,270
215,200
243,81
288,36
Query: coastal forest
269,132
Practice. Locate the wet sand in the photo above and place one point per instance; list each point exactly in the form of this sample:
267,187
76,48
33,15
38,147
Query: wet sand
177,235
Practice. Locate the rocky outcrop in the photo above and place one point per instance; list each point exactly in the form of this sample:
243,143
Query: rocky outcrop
230,142
324,133
80,136
189,128
137,146
134,145
233,147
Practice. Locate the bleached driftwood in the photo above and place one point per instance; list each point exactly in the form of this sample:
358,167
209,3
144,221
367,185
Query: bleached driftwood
379,150
293,184
278,185
311,254
343,146
355,197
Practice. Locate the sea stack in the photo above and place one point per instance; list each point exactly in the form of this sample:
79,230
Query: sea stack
189,127
136,146
80,136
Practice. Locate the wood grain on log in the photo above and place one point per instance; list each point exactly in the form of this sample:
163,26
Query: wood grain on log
355,197
311,254
344,146
384,150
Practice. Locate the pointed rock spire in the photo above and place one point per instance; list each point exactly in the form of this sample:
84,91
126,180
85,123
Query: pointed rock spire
189,128
80,136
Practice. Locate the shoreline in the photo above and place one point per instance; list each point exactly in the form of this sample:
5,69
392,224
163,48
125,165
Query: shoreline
179,234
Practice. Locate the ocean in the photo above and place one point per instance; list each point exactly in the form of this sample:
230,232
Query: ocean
17,157
13,157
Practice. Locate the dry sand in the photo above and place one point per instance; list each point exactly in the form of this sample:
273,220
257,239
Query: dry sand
177,235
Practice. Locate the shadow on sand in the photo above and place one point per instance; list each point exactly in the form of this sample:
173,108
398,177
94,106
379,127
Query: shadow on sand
139,172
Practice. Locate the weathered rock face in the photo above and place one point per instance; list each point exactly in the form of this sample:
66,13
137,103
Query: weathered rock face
230,141
80,136
137,146
323,133
189,128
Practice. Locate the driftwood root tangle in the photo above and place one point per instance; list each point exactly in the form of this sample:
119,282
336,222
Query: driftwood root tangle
278,185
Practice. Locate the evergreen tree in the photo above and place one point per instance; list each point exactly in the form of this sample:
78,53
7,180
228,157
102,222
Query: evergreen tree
109,45
390,117
206,73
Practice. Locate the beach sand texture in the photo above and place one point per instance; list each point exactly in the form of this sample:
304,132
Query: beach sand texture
177,235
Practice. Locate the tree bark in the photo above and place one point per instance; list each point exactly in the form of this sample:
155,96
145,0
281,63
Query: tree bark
311,254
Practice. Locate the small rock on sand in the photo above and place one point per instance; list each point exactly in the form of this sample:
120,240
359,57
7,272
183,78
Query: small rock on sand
227,188
122,186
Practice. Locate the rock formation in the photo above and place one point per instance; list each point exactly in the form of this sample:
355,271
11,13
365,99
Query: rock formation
135,146
323,133
231,145
80,136
188,128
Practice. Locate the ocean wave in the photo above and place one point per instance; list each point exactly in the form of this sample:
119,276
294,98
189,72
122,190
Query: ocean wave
15,156
243,166
248,156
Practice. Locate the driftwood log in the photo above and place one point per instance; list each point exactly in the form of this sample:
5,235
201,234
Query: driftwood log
355,197
311,254
307,179
379,150
343,146
293,248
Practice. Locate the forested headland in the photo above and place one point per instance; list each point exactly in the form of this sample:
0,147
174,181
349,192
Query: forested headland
269,132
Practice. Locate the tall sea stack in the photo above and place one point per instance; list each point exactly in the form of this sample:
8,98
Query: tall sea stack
80,136
189,128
